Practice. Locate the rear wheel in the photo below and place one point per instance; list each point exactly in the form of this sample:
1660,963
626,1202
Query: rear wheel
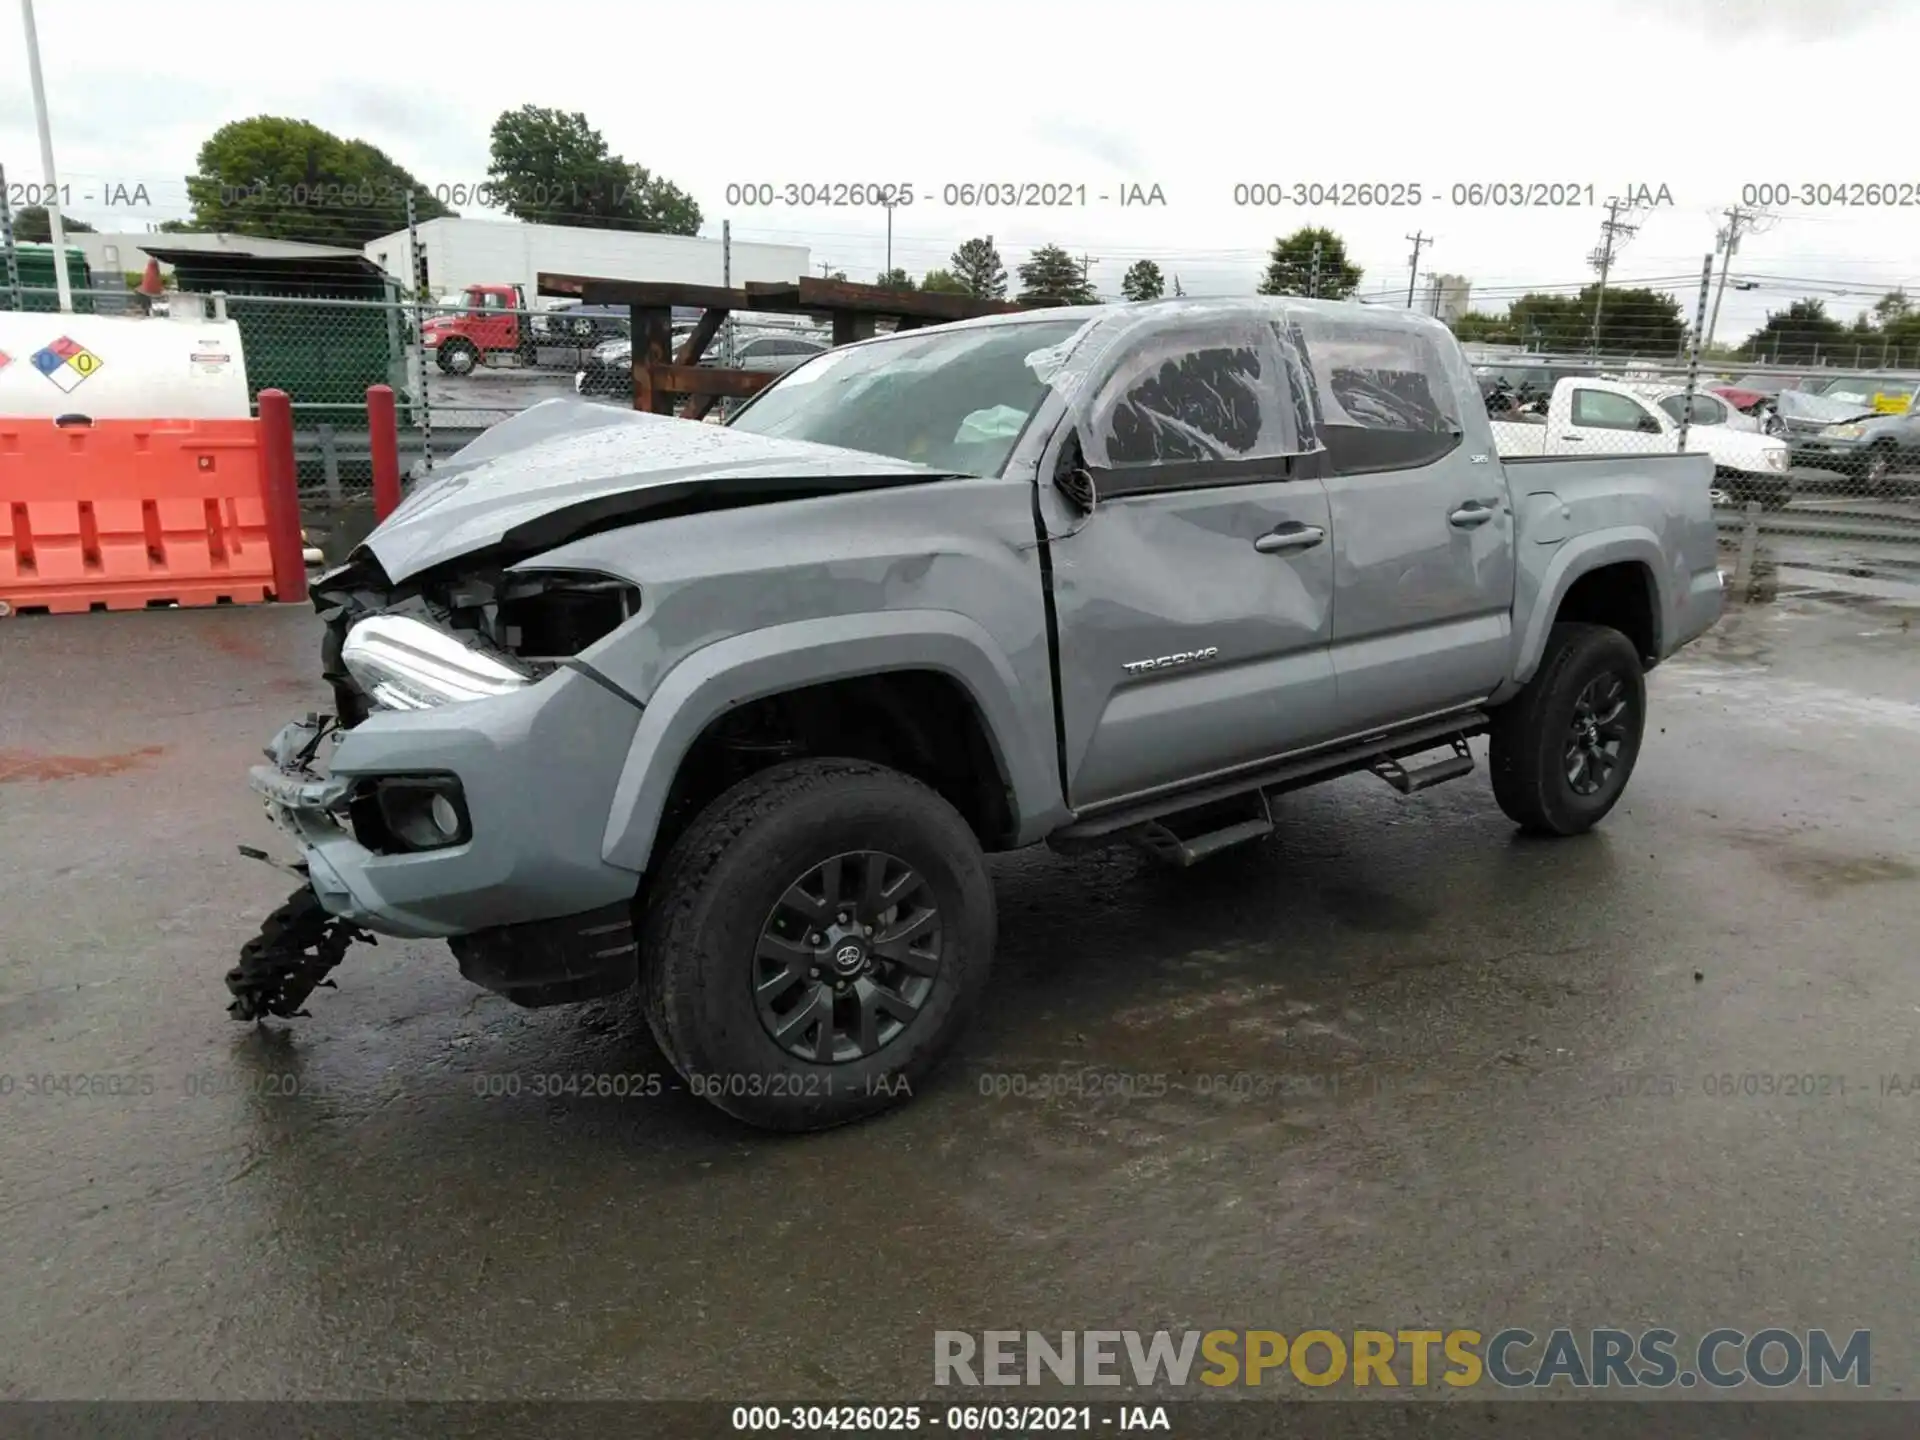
1563,749
815,942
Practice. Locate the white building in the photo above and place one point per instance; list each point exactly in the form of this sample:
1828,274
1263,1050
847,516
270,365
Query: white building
1449,296
461,252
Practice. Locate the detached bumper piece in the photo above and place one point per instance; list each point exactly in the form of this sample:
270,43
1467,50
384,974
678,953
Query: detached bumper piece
289,959
554,962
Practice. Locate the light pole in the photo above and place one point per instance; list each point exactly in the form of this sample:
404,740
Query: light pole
58,231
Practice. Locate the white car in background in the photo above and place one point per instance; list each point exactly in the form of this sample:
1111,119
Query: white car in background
1591,416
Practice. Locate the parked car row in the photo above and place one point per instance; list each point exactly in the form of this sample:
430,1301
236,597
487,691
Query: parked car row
609,368
1588,415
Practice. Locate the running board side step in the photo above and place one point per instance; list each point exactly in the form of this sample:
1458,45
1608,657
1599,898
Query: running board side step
1160,839
1406,781
1189,824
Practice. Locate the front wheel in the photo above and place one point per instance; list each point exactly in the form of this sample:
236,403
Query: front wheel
815,942
457,357
1563,749
1877,472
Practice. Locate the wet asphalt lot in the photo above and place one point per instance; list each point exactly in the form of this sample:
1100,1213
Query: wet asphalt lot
1438,1021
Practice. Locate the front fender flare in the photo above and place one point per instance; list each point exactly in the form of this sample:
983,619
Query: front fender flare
749,667
1579,556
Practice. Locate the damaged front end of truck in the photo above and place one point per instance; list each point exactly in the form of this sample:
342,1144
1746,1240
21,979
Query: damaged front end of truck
459,790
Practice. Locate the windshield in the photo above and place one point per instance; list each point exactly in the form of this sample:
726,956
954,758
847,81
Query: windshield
956,400
1800,405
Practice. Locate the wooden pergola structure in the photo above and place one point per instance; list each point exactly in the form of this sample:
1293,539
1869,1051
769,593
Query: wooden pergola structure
659,375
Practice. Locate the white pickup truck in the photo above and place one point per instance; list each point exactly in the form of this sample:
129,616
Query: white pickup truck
1591,416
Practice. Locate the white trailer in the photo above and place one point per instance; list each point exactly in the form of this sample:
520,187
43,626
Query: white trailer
461,252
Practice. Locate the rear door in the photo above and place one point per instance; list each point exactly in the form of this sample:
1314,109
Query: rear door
1423,571
1194,604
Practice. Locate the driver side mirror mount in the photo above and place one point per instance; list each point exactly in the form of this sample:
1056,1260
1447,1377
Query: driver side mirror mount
1072,478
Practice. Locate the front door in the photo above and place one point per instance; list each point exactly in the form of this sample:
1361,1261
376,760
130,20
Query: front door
1423,574
1194,605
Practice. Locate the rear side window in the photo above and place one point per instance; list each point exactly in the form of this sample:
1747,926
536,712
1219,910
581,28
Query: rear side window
1385,396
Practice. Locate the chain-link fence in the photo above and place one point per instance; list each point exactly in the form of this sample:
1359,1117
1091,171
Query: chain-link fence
1820,459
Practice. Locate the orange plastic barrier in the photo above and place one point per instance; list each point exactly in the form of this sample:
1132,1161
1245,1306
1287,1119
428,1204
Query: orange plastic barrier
124,514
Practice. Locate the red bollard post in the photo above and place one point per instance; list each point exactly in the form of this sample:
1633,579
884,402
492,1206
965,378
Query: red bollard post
383,443
280,492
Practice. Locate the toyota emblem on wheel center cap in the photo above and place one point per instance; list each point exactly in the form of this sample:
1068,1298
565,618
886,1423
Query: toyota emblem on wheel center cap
849,958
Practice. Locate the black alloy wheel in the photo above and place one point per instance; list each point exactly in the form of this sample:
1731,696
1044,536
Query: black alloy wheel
1597,735
847,958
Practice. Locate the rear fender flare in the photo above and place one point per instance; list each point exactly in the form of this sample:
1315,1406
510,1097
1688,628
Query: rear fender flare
1581,556
750,667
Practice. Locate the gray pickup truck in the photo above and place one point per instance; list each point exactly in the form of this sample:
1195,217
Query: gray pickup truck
734,713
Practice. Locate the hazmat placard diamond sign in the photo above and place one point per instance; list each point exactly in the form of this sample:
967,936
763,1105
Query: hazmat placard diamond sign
66,363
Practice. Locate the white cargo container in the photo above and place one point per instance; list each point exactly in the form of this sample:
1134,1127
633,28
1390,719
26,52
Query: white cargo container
184,366
461,252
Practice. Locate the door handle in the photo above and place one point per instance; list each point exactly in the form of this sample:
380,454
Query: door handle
1474,512
1571,436
1291,536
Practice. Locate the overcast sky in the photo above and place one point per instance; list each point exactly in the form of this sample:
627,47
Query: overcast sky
1703,97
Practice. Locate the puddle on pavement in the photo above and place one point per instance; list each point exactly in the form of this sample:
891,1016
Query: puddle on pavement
1821,872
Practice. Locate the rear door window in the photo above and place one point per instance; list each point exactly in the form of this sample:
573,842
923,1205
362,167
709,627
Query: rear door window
1385,395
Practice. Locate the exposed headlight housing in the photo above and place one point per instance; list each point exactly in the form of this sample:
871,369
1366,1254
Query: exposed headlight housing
1845,432
1777,459
402,664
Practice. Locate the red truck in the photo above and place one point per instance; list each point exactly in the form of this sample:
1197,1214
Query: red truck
497,322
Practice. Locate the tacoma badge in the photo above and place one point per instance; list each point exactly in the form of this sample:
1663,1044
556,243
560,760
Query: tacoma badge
1185,657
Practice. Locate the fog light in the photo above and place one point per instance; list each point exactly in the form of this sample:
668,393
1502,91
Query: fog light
397,815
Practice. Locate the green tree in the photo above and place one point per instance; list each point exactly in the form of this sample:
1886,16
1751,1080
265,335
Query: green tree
1476,327
1802,333
550,167
1052,275
291,180
175,227
977,265
1892,306
32,227
1634,321
895,279
943,282
1291,269
1143,281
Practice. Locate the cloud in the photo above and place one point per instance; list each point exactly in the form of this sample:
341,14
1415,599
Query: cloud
1077,137
1737,20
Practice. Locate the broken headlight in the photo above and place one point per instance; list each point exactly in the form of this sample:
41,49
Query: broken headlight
402,664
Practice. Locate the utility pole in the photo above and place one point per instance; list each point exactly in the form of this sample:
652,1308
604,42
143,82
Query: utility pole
63,286
1740,221
1087,262
1413,264
1612,230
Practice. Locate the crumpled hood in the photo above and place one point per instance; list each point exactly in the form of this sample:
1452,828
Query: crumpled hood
563,466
